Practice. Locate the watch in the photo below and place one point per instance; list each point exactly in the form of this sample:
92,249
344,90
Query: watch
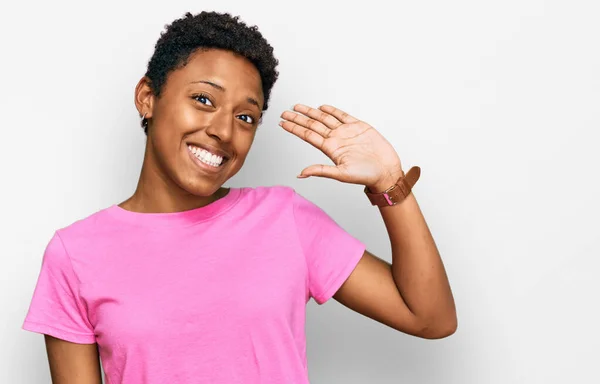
397,192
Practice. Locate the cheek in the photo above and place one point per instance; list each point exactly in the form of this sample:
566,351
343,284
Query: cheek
244,143
182,115
175,120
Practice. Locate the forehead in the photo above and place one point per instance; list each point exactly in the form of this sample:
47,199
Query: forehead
235,73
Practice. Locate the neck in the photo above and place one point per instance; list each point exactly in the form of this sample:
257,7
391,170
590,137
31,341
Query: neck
157,193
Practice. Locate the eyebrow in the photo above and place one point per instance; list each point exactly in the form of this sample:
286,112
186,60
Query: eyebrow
253,101
216,86
250,100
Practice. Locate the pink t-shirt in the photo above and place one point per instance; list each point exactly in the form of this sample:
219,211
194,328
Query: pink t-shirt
213,295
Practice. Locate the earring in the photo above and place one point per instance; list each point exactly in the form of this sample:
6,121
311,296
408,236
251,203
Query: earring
144,121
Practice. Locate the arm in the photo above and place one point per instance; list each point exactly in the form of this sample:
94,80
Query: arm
412,294
72,363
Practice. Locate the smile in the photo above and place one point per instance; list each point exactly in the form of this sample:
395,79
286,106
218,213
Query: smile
206,157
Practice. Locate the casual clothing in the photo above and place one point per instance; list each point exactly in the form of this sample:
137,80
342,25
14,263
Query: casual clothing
212,295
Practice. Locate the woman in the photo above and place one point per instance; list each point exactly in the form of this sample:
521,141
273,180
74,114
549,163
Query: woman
191,282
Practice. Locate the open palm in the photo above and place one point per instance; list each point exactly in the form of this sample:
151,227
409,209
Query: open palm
361,154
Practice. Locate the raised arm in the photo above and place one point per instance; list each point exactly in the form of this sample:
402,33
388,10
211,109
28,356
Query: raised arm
412,294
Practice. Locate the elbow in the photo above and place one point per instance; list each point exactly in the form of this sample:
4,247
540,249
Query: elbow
442,333
439,329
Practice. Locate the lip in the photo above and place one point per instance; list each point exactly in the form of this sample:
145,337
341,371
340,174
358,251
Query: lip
211,149
205,167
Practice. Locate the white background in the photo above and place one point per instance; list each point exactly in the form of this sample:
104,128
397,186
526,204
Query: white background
497,101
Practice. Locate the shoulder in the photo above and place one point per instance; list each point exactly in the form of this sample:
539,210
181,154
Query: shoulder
273,200
86,227
281,200
274,197
58,253
268,197
277,192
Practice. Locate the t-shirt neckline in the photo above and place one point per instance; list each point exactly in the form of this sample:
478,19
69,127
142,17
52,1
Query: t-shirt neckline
182,218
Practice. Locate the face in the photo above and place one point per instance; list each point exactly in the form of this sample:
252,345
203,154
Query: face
204,121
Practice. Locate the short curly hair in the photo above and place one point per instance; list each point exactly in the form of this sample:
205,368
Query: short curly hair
211,30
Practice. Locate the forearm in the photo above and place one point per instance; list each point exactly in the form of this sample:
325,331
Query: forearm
417,267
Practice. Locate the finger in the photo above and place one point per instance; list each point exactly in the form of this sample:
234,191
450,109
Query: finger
327,119
320,170
338,114
305,134
307,123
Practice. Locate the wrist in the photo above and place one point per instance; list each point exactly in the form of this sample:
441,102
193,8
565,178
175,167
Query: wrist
385,183
391,191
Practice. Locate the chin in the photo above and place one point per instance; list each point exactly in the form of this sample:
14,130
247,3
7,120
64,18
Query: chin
199,187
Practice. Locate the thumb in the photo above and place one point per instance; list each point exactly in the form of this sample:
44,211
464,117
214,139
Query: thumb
320,170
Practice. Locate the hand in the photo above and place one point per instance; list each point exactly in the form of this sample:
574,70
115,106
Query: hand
361,154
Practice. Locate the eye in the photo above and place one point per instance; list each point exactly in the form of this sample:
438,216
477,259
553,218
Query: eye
202,99
247,118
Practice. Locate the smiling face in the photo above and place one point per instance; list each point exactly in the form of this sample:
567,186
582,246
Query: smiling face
202,125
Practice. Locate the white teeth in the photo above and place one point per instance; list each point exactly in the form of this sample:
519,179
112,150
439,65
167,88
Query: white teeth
205,156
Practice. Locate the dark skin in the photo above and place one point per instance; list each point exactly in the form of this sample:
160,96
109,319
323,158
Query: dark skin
222,115
215,102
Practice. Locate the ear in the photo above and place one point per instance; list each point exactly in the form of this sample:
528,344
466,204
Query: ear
144,97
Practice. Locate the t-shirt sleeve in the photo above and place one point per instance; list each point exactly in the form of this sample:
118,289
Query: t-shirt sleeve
331,252
56,308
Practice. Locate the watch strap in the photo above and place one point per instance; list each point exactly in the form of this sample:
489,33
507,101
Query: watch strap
397,192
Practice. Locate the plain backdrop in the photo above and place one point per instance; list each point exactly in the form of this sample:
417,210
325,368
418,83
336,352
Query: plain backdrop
497,101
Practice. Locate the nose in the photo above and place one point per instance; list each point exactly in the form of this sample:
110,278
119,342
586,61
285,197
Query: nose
220,126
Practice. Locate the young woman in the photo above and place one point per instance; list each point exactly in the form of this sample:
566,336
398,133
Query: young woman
191,282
